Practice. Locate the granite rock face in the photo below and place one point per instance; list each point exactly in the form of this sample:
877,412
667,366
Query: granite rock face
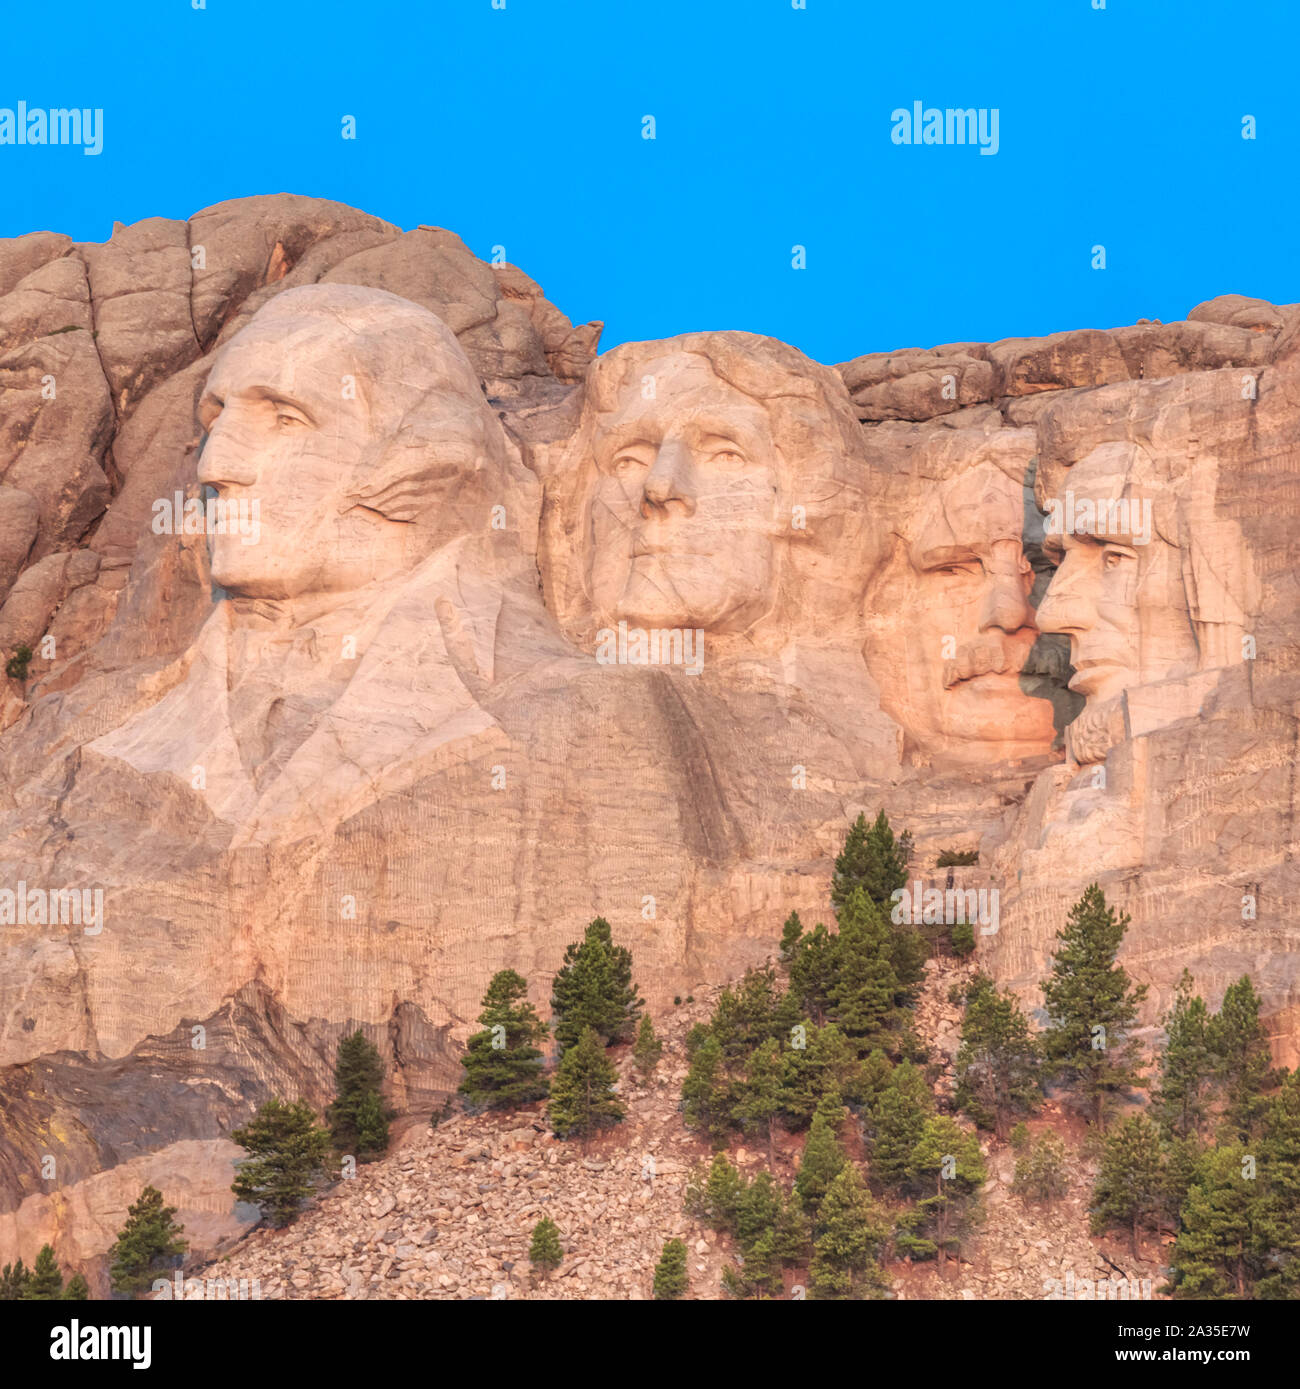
383,636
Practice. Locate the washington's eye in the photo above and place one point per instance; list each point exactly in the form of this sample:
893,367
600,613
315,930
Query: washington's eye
1112,558
729,456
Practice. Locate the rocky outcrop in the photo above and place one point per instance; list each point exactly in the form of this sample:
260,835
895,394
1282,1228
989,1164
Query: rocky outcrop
339,775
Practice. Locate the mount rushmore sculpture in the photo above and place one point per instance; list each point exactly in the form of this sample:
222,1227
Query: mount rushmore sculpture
475,636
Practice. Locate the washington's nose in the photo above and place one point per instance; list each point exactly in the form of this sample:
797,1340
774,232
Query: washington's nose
667,480
223,462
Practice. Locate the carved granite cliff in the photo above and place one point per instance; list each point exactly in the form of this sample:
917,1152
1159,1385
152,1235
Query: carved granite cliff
514,637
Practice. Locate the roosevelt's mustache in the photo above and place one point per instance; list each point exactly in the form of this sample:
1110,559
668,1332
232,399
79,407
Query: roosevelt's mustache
998,655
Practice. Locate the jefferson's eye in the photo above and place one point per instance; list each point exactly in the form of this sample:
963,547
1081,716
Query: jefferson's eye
287,422
1112,559
625,461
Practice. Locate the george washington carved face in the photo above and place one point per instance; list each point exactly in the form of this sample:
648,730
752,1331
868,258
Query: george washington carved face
350,417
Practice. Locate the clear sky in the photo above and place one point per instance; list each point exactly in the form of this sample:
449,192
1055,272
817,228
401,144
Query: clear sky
522,127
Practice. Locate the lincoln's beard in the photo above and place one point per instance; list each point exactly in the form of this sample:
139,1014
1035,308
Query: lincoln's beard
1098,728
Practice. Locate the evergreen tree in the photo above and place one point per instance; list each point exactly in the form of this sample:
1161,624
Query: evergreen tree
1211,1257
962,939
792,1236
850,1231
1240,1046
998,1062
358,1091
873,860
78,1290
670,1272
545,1252
287,1153
582,1097
46,1281
863,993
1183,1158
13,1281
822,1155
146,1244
649,1048
745,1017
719,1201
1040,1168
759,1095
946,1163
827,1063
707,1091
812,971
503,1066
1130,1187
1276,1233
594,989
791,933
897,1122
1092,1003
1186,1063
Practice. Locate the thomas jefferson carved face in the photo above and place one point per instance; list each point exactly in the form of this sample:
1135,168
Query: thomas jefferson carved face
951,643
343,413
683,516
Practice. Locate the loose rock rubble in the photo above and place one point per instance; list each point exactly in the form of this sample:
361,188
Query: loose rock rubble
449,1213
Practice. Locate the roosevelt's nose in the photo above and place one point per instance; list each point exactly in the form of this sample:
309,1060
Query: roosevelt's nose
668,482
1005,605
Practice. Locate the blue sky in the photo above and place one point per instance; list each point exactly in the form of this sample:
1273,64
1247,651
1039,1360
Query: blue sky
522,127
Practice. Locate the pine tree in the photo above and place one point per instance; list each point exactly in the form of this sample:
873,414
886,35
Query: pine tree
1186,1063
896,1123
850,1231
1240,1046
582,1097
545,1253
1183,1159
13,1281
649,1048
822,1155
1130,1186
146,1244
503,1066
707,1091
46,1281
745,1017
670,1272
792,1240
722,1195
1211,1257
791,934
828,1062
946,1163
287,1152
358,1089
78,1290
1276,1225
871,859
759,1094
1040,1168
594,988
862,996
813,964
998,1062
1092,1003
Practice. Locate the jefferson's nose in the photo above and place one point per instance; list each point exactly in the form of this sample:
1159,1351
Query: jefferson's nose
668,481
